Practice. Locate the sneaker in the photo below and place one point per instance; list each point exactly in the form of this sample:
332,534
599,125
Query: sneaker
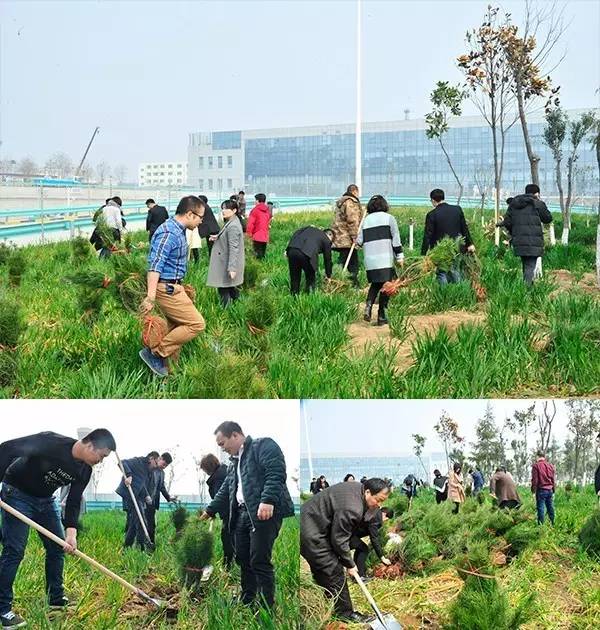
59,604
12,620
154,362
355,617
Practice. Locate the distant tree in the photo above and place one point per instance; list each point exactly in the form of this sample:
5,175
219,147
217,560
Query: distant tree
583,423
491,83
120,173
483,177
447,430
519,424
59,165
446,100
418,451
487,451
103,171
86,173
545,420
27,167
97,472
457,456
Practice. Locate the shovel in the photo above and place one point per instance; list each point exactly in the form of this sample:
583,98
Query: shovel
157,603
353,242
383,622
207,571
151,545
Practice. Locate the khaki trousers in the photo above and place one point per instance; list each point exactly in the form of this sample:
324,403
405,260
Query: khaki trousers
183,319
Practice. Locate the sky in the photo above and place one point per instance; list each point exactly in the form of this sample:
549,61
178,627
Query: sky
148,73
385,427
182,427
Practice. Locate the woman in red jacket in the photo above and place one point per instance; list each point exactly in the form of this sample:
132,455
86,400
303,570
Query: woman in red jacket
258,225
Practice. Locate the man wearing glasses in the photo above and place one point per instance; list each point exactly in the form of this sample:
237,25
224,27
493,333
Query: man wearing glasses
167,264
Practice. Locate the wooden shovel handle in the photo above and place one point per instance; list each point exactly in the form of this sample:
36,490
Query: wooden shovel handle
134,500
370,599
59,541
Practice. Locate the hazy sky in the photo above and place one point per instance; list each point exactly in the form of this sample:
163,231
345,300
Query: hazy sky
183,427
386,426
148,73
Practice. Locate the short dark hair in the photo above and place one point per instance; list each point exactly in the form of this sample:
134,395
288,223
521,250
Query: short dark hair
118,200
540,454
348,476
260,197
375,485
188,204
532,189
153,455
456,467
437,194
107,200
203,198
209,463
269,203
167,457
150,201
377,203
387,511
436,472
229,427
101,438
241,192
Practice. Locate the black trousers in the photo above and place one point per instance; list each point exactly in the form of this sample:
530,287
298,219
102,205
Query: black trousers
134,532
209,246
227,542
352,264
253,541
260,249
374,289
528,263
227,295
196,254
361,552
151,522
328,572
298,262
440,497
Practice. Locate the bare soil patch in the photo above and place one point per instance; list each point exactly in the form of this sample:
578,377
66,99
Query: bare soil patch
566,281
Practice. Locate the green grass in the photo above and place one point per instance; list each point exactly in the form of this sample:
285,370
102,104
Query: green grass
100,604
529,342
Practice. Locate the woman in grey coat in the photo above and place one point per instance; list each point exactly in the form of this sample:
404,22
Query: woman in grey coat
227,260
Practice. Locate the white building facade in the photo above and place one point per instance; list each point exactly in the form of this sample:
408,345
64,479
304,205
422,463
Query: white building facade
162,174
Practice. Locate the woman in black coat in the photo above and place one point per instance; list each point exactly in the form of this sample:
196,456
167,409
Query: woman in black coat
209,225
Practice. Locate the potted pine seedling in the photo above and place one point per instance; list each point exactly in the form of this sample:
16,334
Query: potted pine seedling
16,267
589,536
179,518
81,250
11,327
261,311
195,553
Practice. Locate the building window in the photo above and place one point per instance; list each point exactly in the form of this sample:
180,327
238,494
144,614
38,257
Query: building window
201,183
200,162
210,162
220,161
210,184
220,184
230,161
230,184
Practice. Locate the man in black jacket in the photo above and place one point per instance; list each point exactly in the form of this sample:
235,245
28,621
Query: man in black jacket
327,521
156,489
32,468
258,499
139,476
371,527
523,221
157,215
209,226
217,474
445,220
303,255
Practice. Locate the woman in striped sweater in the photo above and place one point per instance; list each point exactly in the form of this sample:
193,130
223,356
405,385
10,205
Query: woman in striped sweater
380,240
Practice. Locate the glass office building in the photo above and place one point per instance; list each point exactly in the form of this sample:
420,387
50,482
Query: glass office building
397,159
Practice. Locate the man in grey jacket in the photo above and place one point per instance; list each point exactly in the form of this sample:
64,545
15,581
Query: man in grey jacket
327,522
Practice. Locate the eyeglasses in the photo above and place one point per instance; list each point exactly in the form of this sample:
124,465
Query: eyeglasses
197,214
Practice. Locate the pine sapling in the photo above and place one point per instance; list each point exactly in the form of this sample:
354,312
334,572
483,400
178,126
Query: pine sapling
194,552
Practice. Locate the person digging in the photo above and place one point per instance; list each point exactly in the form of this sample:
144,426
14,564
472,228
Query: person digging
157,488
371,527
327,521
256,495
167,265
32,468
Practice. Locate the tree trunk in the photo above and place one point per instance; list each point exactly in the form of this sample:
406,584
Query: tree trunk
598,254
460,186
496,185
561,196
531,156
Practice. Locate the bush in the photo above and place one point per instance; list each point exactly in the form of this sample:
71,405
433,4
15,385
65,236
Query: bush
81,250
397,502
16,267
252,270
416,550
521,536
194,552
475,560
5,252
11,323
589,536
8,367
179,517
261,309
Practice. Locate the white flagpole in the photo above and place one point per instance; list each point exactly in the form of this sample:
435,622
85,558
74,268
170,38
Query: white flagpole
358,132
308,451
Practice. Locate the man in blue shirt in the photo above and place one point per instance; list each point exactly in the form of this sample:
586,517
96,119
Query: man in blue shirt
478,480
167,264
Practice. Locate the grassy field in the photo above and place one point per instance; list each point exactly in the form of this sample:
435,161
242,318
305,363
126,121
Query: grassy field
541,572
101,604
443,343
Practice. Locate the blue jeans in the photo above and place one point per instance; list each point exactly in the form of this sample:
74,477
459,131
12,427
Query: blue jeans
45,512
544,499
448,277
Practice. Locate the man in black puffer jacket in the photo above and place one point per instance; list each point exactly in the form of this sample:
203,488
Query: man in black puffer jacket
256,494
523,221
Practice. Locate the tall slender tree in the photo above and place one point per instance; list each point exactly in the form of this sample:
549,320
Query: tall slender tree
447,430
418,447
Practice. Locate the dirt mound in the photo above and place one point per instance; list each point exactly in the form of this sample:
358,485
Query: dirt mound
137,608
566,281
364,335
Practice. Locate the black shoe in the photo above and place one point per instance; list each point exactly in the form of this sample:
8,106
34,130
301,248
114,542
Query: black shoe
366,579
368,311
11,620
59,604
381,318
355,617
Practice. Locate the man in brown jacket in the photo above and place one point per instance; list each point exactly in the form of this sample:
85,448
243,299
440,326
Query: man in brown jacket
504,489
543,485
348,215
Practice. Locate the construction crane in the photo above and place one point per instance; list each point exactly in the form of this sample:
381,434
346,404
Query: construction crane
96,130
